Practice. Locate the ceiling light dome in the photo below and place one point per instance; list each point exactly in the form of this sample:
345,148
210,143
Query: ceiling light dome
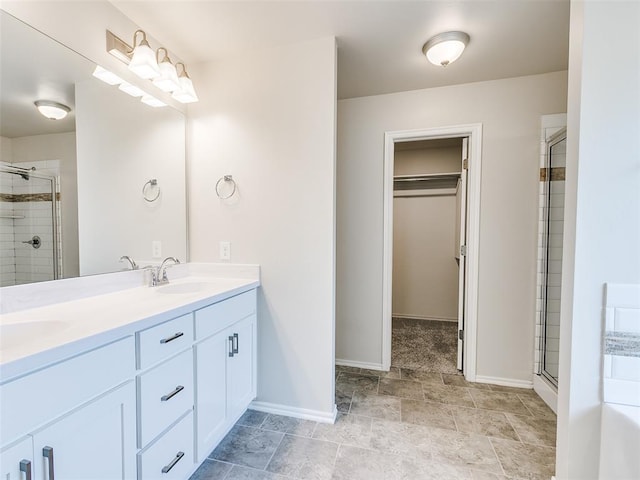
445,48
52,110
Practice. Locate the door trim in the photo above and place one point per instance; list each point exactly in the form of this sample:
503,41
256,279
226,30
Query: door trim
474,133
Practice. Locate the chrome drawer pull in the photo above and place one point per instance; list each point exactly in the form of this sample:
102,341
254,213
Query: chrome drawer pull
172,337
231,345
47,452
235,337
25,466
170,395
179,456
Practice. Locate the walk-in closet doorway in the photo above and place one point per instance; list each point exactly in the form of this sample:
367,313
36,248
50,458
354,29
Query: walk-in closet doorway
431,229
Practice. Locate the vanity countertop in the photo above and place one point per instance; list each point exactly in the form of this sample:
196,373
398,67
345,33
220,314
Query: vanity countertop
36,337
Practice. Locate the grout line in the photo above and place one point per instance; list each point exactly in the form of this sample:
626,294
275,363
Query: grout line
512,426
496,454
274,452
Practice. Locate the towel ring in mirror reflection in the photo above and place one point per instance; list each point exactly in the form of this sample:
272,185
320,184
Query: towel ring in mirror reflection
226,178
148,187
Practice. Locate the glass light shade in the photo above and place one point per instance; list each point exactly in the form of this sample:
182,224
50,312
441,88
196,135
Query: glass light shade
445,48
106,76
131,89
168,79
186,93
52,110
143,62
152,101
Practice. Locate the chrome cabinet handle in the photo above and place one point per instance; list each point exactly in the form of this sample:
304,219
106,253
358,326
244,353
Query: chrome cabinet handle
25,466
170,395
235,338
47,452
172,337
231,345
178,457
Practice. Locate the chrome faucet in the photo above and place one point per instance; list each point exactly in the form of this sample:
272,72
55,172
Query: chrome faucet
159,277
132,263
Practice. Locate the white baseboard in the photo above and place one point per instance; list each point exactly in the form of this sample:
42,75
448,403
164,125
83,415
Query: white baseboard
419,317
303,413
353,363
505,382
546,392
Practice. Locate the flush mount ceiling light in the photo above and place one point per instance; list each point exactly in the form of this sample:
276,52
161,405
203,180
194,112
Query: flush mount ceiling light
445,48
143,59
167,81
52,110
186,93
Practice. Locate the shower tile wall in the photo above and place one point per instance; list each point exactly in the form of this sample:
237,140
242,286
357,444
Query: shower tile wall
7,236
554,267
25,264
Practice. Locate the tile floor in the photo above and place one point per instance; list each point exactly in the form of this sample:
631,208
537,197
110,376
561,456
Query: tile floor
408,424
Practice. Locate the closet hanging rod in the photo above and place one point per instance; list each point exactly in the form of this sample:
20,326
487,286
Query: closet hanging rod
425,176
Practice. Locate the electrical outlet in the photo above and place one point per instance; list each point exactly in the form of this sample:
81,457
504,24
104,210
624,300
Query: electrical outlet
225,250
156,249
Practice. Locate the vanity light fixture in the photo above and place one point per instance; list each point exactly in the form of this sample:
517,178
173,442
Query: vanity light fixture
167,81
131,89
143,60
152,101
52,110
106,76
445,48
186,93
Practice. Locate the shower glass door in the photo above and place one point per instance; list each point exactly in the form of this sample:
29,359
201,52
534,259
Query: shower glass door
554,229
29,234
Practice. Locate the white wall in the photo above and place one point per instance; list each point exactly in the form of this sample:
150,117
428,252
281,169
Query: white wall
268,119
122,144
602,219
509,111
61,147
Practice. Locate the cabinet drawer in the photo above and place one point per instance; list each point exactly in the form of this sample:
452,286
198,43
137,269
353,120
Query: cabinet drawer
164,393
172,452
161,341
45,394
216,317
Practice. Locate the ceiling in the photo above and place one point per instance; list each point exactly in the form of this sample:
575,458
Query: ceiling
379,42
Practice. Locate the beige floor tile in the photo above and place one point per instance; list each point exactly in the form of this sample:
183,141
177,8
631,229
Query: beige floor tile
517,390
403,439
306,458
428,414
348,383
537,407
348,430
394,372
449,395
484,422
478,475
294,426
464,450
355,463
460,381
421,469
533,430
431,378
525,461
499,401
377,406
400,388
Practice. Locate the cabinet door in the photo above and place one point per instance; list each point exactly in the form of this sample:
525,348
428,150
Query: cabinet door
16,462
240,370
96,441
211,379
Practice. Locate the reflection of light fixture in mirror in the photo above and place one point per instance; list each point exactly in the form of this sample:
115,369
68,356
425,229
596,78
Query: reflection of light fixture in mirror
152,101
106,76
131,89
445,48
143,61
52,110
186,93
167,81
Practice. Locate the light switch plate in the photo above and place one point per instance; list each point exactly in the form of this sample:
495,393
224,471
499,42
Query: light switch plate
156,249
225,250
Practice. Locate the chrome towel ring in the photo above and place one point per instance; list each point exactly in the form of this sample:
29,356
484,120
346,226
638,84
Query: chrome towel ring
226,178
149,186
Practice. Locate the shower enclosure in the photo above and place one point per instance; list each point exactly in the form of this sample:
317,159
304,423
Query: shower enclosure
29,225
553,227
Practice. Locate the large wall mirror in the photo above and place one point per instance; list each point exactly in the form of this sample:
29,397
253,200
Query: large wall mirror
79,193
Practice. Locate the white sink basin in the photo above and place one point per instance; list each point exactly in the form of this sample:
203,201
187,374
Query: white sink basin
183,288
14,334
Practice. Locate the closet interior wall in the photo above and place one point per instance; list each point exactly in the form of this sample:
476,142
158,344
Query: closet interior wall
425,270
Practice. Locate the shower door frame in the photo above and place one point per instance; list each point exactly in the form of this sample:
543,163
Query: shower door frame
53,181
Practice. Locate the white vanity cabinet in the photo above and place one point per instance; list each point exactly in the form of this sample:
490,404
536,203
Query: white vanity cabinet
16,462
225,353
